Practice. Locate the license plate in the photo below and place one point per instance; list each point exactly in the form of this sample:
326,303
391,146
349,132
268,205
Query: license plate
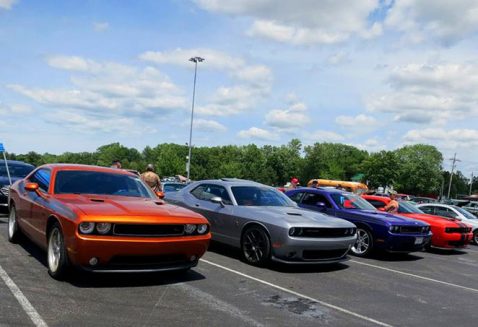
418,240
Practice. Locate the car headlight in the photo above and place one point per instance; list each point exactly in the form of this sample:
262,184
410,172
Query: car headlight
202,229
395,229
189,228
296,231
103,228
86,227
353,231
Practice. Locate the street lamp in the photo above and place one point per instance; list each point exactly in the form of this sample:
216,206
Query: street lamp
195,60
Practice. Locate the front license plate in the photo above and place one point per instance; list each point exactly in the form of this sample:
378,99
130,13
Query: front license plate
418,240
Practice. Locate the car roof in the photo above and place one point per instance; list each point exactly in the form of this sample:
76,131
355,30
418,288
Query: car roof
321,189
16,162
63,166
230,182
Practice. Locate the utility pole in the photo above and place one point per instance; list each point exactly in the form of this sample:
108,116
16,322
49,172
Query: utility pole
471,182
454,160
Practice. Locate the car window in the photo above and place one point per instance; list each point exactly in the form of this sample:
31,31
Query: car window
206,192
312,199
445,212
296,197
428,209
377,204
15,170
42,178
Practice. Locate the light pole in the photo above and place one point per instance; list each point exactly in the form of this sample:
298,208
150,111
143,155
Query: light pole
195,60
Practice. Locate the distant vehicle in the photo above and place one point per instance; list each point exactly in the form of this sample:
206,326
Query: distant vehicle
18,170
448,233
354,187
422,199
472,207
446,210
375,229
265,224
172,187
103,220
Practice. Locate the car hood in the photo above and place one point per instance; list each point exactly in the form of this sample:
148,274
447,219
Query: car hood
434,220
4,180
296,216
383,216
96,205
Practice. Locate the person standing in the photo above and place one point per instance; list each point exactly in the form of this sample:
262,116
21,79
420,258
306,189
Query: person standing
151,178
293,184
116,164
392,206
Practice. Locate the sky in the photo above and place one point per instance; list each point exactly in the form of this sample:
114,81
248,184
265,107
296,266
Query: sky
376,74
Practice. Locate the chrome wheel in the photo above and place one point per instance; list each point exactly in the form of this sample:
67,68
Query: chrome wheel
363,244
12,223
54,250
255,246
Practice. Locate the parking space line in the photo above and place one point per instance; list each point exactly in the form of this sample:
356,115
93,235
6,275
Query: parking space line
26,305
286,290
416,276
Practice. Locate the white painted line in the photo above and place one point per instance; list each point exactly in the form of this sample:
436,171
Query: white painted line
26,305
286,290
416,276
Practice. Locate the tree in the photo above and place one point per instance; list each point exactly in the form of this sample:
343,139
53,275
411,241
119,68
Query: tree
380,169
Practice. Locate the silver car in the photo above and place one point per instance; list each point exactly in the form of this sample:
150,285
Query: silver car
265,224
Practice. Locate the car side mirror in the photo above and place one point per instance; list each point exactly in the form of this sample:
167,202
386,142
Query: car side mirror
321,206
218,200
31,187
160,194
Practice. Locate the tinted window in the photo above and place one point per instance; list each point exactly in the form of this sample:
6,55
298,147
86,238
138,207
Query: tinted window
42,178
15,170
377,204
408,207
465,213
173,187
312,199
260,196
208,191
351,201
428,209
445,212
100,183
296,197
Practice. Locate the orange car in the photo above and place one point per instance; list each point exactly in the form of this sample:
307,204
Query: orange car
103,220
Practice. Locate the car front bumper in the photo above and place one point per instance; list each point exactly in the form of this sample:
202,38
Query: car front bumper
136,254
296,250
403,242
451,240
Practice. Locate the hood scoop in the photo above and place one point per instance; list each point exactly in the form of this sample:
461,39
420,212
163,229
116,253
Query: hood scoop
294,214
97,200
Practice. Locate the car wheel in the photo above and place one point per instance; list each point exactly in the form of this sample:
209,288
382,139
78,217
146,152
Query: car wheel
14,232
364,244
256,246
56,253
475,237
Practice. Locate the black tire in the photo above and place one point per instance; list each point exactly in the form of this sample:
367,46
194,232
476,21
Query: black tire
256,246
57,257
475,237
364,244
14,232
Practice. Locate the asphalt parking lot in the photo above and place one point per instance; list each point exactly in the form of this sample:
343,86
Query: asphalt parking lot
424,289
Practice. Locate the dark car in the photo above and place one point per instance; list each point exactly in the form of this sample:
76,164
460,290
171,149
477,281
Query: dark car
18,170
375,229
169,187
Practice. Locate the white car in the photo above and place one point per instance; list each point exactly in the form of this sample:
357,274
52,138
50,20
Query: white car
450,211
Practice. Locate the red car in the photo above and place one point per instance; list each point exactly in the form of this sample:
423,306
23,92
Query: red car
448,233
103,220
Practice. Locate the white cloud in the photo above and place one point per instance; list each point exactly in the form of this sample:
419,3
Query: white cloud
293,117
357,123
371,145
302,21
100,26
258,134
445,138
442,20
429,93
208,125
14,109
323,136
7,4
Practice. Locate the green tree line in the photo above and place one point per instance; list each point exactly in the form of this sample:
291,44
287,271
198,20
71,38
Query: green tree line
413,169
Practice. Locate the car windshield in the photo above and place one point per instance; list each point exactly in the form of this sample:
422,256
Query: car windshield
100,183
408,207
351,201
465,213
15,170
260,196
172,187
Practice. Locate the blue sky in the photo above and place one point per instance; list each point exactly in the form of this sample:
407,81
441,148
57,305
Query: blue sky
75,75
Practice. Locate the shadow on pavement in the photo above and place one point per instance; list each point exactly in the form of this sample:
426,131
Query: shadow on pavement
393,257
235,253
447,252
85,279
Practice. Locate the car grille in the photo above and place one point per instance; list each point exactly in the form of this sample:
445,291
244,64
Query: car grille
457,243
458,230
147,230
146,260
323,254
411,229
327,232
5,190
